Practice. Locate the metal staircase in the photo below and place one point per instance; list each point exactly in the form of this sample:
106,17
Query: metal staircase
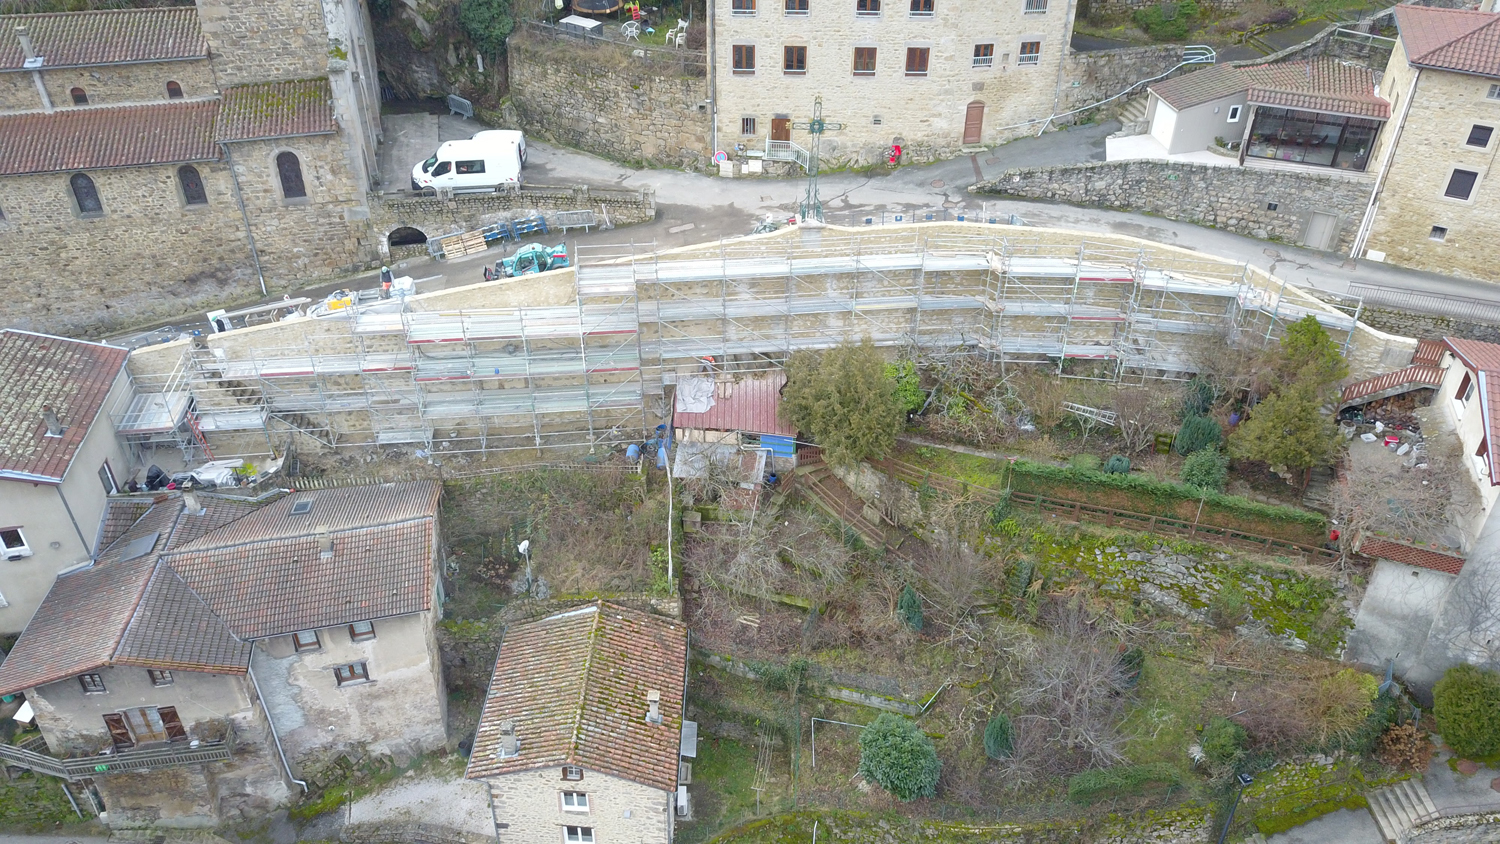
122,762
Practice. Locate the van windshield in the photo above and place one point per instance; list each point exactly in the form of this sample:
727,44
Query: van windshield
427,165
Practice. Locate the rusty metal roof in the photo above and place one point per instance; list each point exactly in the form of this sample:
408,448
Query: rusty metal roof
73,377
749,404
114,36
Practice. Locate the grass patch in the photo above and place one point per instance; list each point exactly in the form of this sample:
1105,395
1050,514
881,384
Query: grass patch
1171,698
34,803
723,775
969,468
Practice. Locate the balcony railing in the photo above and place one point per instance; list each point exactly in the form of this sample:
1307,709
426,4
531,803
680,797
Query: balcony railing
786,151
126,761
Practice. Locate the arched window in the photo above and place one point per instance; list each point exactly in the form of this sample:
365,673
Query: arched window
174,91
290,171
192,185
85,194
80,96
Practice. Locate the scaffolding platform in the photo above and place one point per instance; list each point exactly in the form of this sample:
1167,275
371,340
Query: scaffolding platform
154,413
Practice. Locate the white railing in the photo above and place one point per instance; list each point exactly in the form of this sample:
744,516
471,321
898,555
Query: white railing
786,151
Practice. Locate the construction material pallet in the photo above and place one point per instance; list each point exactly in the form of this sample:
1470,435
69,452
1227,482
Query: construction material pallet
458,245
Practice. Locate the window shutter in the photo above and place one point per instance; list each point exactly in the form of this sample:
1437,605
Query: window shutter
118,732
173,724
1463,388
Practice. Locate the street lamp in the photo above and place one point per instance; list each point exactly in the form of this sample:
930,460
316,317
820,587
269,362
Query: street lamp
1244,781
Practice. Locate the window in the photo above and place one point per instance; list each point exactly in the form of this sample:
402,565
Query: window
361,631
921,8
572,773
80,96
476,166
354,672
1271,206
578,834
796,7
984,55
1035,6
1461,184
14,543
159,677
1494,93
794,60
174,91
1479,136
1438,233
1306,137
443,168
868,8
92,684
575,801
864,61
107,477
916,60
193,192
742,7
85,195
1234,114
747,126
289,169
306,640
744,58
1031,53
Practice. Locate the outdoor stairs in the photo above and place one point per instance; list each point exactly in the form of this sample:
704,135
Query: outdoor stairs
1133,118
1400,807
824,489
1319,493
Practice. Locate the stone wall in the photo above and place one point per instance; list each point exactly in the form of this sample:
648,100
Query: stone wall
1461,829
435,217
1091,77
596,96
265,40
1268,204
1426,326
107,84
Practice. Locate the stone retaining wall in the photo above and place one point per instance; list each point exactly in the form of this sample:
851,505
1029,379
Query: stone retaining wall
1104,73
436,216
1268,204
1461,829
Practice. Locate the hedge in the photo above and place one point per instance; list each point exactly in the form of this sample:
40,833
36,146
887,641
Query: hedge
1140,494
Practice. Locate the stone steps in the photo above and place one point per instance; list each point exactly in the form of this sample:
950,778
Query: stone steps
1400,807
1133,118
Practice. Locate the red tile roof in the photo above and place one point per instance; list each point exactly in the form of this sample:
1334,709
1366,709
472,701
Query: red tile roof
70,376
1393,383
119,514
277,110
1411,555
68,39
175,629
1322,84
749,404
92,138
1483,359
575,687
1451,39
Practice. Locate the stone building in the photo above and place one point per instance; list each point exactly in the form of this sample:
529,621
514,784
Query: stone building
582,733
230,646
157,159
59,460
934,76
1433,207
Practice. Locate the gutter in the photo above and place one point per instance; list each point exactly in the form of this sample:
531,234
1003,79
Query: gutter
276,739
239,199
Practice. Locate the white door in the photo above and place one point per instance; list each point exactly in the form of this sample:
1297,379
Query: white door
1321,228
1163,122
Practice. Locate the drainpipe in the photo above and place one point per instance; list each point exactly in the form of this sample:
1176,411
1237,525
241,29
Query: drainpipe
712,70
1368,221
24,36
239,199
275,739
1062,60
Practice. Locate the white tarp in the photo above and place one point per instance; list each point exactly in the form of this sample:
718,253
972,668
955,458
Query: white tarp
695,394
24,714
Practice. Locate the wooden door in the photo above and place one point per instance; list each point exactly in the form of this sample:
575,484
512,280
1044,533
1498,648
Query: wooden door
974,122
172,724
781,128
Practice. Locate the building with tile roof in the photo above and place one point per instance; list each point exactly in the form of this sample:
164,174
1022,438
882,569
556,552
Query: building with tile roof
582,729
1434,206
59,459
275,620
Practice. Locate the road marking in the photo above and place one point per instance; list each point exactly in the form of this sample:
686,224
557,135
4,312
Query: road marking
682,228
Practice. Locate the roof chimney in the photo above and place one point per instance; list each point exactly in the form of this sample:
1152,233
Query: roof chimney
24,36
653,700
325,542
54,425
190,504
509,744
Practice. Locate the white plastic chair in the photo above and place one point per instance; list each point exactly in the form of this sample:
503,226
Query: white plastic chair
631,30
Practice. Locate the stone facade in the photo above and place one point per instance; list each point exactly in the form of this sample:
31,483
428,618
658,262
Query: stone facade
596,96
435,216
107,84
925,113
1273,204
1460,829
1434,113
529,808
265,40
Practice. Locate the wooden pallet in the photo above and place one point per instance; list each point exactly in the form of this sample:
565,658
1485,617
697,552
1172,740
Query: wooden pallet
459,245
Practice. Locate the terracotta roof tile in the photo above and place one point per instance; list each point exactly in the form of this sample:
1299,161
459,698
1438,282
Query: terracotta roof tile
1411,555
175,629
119,514
1451,39
156,522
68,39
1200,86
70,376
92,138
1483,359
276,110
1322,84
749,404
575,687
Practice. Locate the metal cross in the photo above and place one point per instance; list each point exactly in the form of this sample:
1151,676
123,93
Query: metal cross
812,205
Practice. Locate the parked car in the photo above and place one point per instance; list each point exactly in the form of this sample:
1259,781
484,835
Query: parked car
488,160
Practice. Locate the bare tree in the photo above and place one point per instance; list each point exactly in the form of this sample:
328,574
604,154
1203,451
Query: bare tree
1233,362
1143,413
1423,501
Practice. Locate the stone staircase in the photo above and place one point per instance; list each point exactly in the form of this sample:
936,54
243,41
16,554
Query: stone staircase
1133,118
824,489
1397,808
1319,493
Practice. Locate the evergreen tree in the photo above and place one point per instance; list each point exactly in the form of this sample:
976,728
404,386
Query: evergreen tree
909,606
1289,429
845,400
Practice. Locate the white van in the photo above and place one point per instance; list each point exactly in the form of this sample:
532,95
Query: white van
484,162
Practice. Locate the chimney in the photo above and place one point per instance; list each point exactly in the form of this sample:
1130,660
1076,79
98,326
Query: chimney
325,542
653,700
190,504
54,425
509,744
24,36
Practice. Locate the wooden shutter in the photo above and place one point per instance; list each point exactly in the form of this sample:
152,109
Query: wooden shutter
118,732
173,724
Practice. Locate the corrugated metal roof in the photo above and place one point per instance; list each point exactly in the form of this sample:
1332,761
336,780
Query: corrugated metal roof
277,110
122,136
749,404
70,376
1451,39
1400,552
114,36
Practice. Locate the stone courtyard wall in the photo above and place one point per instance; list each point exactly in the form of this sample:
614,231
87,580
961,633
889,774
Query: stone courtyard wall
435,216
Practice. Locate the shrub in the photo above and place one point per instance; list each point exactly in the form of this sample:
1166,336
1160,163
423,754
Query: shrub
909,607
1228,609
1342,704
1117,465
1085,462
1121,780
1167,21
1207,468
487,23
909,392
1406,748
999,737
1198,398
899,757
1289,429
1466,703
1223,741
1197,433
